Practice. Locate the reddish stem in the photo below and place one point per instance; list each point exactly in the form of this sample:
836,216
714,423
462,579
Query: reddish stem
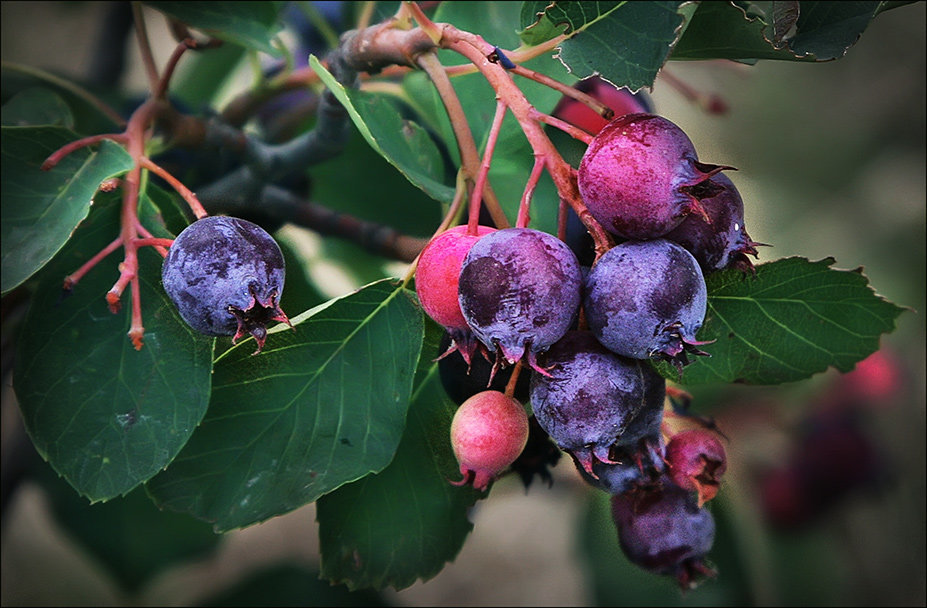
466,146
147,234
476,197
513,380
71,280
186,193
477,50
161,89
83,142
524,208
571,130
600,108
154,242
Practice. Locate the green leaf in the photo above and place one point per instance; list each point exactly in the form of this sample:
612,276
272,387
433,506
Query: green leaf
250,24
375,198
407,521
827,30
794,319
319,407
41,208
744,31
36,106
625,42
536,26
405,144
105,416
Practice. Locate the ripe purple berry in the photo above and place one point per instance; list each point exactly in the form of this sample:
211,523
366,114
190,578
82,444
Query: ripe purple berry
663,530
436,280
647,299
519,292
593,400
225,276
640,176
723,241
488,432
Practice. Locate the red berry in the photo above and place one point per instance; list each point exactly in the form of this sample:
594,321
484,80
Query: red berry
436,279
488,433
640,177
696,460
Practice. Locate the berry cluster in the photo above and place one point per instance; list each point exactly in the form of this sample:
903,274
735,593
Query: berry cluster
588,336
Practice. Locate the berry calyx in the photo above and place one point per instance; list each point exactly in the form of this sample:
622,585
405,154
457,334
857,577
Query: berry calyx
721,241
488,432
696,461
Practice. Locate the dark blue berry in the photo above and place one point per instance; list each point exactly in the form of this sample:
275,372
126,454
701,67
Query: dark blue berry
225,275
593,399
647,299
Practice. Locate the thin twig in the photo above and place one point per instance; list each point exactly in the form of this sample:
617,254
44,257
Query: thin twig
476,197
144,47
469,157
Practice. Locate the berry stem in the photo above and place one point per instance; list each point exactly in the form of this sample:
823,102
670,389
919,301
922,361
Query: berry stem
66,149
524,216
469,157
476,197
182,190
147,234
571,130
160,89
71,280
600,108
513,380
477,50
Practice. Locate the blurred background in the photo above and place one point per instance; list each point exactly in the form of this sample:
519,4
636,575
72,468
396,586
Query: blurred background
824,499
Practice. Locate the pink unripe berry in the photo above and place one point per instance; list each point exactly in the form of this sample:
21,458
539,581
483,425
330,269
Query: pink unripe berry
436,279
488,433
696,460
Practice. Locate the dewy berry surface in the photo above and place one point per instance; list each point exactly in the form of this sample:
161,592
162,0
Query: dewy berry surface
640,176
520,291
488,432
226,275
646,299
593,397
